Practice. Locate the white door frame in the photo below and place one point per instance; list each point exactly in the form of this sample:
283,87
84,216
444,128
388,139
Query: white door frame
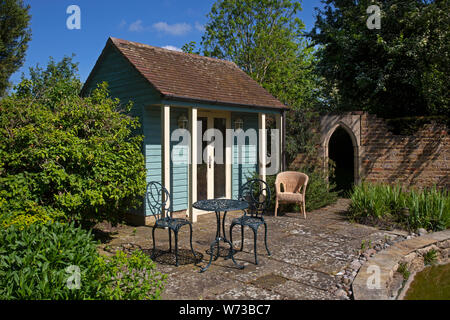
211,115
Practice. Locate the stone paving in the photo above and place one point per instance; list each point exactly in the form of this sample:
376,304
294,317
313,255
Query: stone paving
410,253
306,256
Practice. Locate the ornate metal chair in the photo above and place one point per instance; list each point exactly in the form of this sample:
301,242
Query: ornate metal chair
256,193
158,199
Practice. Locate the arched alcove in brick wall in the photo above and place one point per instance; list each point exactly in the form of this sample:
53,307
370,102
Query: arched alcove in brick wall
341,153
421,159
351,124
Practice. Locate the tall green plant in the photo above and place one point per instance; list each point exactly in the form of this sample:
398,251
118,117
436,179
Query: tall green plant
428,208
14,37
33,262
265,39
60,262
258,35
398,70
66,158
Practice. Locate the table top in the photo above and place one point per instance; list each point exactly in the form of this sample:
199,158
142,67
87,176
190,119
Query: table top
220,205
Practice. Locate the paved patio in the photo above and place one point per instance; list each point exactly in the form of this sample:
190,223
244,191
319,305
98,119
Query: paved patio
306,256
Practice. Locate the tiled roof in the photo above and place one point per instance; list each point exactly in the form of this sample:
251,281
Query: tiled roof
190,77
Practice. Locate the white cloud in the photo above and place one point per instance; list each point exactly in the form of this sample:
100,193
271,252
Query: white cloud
176,29
136,26
173,48
200,27
122,24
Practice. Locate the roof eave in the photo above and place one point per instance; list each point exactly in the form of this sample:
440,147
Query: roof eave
172,97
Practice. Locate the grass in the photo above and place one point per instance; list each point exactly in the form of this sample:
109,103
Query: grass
428,208
430,257
403,270
366,244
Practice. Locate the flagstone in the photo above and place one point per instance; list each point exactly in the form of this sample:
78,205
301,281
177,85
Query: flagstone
306,255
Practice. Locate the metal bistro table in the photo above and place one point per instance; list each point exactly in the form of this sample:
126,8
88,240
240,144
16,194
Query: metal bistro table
218,206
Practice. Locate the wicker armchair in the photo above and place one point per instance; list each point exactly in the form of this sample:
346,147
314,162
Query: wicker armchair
290,187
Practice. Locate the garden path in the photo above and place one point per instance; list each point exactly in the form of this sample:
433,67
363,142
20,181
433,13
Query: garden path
306,256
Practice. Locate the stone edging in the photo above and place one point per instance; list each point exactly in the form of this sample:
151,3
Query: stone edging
385,263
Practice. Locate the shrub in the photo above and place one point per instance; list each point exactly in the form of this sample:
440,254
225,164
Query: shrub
63,157
34,262
410,125
131,278
318,192
429,208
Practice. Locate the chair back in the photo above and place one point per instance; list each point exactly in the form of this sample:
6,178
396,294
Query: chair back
158,198
256,193
291,181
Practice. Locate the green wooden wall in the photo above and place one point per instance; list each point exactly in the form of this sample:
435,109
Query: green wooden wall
248,167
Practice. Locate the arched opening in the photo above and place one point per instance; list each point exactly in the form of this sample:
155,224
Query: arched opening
341,154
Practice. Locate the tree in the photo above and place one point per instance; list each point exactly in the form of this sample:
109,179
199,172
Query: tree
264,38
255,34
14,36
64,157
398,70
189,47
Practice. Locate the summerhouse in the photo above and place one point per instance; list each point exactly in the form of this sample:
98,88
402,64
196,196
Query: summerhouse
179,98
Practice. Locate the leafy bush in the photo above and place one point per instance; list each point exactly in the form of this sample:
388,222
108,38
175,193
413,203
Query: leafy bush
429,208
63,157
318,192
34,262
410,125
134,277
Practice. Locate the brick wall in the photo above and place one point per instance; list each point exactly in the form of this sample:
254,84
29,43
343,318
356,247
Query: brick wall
420,160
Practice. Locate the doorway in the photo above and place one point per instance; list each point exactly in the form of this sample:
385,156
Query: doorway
214,164
341,156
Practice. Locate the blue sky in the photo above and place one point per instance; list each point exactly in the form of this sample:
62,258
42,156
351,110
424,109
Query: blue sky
159,23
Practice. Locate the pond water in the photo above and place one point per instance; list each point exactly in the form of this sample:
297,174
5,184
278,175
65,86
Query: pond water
433,283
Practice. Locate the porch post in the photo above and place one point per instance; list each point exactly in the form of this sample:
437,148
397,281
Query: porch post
192,164
262,145
228,160
165,135
280,128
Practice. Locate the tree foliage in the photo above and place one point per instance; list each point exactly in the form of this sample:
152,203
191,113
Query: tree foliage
257,34
401,69
63,157
14,37
189,47
265,39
